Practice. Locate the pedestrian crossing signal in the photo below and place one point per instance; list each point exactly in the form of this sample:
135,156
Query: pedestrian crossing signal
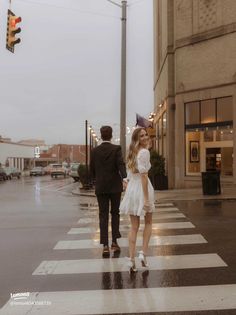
12,30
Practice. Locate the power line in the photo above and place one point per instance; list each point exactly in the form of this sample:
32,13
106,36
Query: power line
136,2
113,2
70,9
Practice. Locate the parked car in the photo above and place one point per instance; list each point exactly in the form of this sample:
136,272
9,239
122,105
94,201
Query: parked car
58,170
48,169
74,171
37,171
12,172
3,174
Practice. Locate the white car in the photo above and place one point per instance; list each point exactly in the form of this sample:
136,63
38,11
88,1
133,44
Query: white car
74,171
58,170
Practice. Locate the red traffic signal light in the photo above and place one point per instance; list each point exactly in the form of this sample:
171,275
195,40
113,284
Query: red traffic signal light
12,30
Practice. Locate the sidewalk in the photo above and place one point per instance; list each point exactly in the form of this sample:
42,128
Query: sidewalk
227,192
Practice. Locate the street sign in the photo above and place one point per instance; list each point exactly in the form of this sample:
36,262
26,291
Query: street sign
37,152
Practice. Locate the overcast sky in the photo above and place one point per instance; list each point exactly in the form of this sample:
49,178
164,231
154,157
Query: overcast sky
67,68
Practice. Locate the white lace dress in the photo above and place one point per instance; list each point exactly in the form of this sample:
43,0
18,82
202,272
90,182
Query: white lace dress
133,200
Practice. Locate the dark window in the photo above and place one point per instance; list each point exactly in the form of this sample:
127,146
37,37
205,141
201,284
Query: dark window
192,113
208,111
225,109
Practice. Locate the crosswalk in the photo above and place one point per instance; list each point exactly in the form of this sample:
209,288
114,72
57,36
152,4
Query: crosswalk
171,230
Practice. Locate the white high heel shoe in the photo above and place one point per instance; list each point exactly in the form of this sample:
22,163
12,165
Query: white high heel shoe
142,258
131,265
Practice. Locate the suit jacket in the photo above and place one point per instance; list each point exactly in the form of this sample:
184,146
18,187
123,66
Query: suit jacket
107,168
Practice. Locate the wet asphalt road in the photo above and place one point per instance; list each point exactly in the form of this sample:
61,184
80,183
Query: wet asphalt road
36,213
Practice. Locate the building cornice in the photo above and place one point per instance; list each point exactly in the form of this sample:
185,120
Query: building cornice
15,143
203,88
195,39
204,36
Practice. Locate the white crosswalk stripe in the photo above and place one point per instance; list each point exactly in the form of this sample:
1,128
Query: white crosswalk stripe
156,215
123,242
133,300
95,211
167,204
120,264
126,227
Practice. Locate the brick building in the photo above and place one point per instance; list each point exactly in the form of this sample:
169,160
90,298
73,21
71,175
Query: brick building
66,152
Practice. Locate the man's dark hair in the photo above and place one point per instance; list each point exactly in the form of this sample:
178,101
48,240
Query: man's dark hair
106,133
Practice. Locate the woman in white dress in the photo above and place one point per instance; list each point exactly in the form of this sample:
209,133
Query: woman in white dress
139,195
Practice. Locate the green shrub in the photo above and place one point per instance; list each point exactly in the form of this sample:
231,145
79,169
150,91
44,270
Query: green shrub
157,164
82,171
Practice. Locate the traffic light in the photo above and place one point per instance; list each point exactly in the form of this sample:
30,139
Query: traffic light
12,30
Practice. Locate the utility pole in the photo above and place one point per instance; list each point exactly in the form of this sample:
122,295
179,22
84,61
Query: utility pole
123,80
123,7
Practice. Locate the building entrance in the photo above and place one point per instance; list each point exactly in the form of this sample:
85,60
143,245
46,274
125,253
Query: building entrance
220,159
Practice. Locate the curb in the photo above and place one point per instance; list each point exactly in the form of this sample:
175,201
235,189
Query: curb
83,194
170,199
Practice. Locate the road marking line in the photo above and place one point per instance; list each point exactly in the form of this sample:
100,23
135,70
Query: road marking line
126,227
167,204
123,242
165,299
120,264
93,217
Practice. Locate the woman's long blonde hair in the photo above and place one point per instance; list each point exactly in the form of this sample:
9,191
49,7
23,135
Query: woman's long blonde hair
133,149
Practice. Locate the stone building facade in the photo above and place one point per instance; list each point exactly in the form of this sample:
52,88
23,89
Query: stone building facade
16,155
195,88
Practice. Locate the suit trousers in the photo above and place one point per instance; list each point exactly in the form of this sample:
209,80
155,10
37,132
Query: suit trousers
103,202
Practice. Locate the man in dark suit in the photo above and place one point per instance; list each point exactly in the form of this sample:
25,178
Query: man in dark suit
108,169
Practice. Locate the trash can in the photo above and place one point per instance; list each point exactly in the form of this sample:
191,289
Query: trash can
211,183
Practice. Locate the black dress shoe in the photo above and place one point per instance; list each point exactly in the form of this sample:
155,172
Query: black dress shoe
115,247
106,251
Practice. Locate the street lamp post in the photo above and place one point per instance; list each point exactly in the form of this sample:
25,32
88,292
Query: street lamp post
86,154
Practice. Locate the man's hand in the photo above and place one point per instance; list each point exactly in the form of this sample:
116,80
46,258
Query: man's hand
146,206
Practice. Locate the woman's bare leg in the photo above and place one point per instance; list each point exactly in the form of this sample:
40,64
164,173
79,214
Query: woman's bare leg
135,221
147,232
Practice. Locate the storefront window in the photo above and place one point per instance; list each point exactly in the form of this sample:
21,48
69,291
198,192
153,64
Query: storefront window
192,113
224,134
209,143
208,135
225,109
208,111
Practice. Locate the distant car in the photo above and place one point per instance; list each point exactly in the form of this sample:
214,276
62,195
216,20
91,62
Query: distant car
58,170
74,171
37,171
12,172
48,169
3,174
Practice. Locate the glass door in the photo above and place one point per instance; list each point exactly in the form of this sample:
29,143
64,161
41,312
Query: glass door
220,159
